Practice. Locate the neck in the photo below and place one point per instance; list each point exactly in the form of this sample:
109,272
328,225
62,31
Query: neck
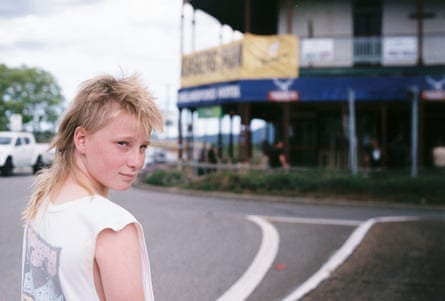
75,188
82,177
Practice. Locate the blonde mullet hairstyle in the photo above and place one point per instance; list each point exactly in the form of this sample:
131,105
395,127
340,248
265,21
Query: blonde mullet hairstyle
99,100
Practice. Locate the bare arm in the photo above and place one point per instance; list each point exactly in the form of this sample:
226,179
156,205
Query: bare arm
119,265
283,161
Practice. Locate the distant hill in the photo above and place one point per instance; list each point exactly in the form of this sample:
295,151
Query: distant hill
258,136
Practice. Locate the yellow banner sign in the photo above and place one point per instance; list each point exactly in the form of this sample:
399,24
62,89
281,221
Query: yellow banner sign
253,57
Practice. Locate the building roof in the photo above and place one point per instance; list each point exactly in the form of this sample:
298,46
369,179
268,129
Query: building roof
263,15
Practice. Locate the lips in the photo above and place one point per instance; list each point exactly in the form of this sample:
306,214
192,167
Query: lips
128,176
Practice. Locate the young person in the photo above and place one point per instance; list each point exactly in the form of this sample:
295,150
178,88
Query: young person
78,245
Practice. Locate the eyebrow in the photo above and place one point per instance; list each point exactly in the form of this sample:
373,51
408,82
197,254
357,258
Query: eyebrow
148,141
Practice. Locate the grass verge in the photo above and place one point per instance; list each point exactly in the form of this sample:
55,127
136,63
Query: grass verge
428,188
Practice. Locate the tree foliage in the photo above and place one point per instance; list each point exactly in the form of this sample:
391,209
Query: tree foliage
32,93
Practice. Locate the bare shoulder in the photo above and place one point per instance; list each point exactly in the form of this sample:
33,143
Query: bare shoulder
114,239
119,262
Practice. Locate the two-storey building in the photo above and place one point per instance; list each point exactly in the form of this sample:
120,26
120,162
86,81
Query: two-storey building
382,61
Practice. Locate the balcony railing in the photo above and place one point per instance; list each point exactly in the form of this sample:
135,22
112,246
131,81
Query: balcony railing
367,50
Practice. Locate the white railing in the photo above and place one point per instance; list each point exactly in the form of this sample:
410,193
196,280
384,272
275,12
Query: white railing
367,50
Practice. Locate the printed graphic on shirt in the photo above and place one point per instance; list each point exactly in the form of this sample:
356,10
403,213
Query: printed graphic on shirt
40,271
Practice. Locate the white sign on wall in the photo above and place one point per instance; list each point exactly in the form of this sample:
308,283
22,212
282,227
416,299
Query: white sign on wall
317,50
400,49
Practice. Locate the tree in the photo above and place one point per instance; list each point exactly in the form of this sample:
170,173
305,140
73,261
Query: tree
32,93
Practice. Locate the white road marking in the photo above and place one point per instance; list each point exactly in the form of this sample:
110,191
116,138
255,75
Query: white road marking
268,250
262,262
316,221
340,256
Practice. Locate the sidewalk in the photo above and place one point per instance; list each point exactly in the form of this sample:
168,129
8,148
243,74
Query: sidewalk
396,261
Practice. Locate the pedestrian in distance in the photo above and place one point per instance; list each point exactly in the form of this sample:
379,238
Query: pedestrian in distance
202,160
78,244
373,156
277,158
211,158
439,155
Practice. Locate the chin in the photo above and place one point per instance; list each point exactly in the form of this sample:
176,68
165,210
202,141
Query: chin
122,187
125,188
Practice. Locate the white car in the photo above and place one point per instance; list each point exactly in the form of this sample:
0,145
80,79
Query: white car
19,149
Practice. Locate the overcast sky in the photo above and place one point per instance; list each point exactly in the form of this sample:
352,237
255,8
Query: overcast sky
77,39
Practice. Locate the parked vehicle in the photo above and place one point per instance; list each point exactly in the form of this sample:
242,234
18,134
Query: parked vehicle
19,150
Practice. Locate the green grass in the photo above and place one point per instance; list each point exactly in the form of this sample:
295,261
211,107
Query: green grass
389,186
164,177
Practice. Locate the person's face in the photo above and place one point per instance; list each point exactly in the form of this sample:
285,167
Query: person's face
114,154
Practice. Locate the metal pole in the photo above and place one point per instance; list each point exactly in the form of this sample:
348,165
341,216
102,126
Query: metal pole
289,16
193,30
181,32
190,137
419,15
414,130
352,138
247,16
180,140
181,50
231,138
285,125
220,144
192,110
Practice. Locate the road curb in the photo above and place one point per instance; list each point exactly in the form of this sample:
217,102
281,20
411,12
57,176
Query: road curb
284,199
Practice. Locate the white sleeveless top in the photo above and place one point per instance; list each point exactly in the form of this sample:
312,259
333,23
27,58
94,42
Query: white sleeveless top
59,247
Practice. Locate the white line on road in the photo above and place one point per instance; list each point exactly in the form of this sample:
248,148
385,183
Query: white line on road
262,262
316,221
268,250
340,256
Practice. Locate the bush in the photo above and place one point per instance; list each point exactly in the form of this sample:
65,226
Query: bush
426,188
164,177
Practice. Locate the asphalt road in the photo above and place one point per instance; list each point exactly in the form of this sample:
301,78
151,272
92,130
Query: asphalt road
211,247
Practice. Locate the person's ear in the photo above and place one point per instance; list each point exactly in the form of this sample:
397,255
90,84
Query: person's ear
80,139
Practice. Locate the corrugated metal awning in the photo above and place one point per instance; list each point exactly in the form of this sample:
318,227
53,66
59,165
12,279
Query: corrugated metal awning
263,14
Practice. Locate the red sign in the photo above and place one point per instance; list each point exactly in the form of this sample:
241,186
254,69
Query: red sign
433,95
283,96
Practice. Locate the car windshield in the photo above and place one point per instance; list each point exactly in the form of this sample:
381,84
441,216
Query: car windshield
5,140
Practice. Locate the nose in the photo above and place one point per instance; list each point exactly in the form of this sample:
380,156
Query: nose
136,159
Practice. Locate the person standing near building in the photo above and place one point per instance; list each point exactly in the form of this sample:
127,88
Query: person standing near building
277,158
202,159
439,155
373,157
78,244
211,158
